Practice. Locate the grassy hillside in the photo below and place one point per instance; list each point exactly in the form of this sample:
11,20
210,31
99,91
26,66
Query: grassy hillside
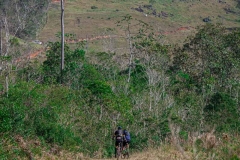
178,102
91,18
184,104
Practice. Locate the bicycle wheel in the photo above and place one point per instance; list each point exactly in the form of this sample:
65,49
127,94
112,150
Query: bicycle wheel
118,151
125,154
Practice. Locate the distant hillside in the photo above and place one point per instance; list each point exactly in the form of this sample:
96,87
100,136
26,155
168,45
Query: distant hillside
91,18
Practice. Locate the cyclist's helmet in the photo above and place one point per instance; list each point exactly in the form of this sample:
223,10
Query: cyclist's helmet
119,127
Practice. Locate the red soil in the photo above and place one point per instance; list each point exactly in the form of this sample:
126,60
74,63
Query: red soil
30,56
54,1
35,54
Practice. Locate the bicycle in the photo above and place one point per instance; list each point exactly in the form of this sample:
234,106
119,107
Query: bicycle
125,152
119,150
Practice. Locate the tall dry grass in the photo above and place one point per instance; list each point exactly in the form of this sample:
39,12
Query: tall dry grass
198,147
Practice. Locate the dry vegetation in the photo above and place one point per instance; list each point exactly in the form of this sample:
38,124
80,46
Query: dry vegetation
198,147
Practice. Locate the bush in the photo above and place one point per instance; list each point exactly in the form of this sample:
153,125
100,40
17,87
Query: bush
94,7
24,112
222,110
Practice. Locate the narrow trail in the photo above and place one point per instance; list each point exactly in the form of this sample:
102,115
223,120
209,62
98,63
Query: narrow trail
116,36
34,54
162,153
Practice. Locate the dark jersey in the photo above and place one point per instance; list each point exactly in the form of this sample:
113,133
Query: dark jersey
119,135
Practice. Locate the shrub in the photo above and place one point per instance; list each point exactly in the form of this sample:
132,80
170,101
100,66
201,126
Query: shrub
94,7
223,111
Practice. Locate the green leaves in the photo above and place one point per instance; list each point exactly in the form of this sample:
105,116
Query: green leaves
209,54
73,64
98,87
184,75
203,71
222,110
5,58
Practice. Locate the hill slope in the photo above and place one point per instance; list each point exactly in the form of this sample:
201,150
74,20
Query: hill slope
91,18
163,100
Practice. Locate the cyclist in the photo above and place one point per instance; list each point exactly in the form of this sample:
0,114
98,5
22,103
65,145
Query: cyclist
127,138
118,136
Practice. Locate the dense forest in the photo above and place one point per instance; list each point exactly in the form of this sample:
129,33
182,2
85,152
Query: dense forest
160,93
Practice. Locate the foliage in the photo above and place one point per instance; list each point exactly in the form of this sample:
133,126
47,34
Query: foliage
94,7
209,56
51,105
79,109
73,64
222,109
139,78
152,1
203,70
23,112
14,41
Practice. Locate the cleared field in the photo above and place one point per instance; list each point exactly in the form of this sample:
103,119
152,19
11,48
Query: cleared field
92,18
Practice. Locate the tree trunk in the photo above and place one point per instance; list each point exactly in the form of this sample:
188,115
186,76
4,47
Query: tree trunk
7,36
1,37
6,82
131,54
62,38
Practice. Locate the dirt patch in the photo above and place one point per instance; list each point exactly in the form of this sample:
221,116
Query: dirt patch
30,56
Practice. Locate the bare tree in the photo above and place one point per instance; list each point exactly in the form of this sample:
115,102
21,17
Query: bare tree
16,21
127,19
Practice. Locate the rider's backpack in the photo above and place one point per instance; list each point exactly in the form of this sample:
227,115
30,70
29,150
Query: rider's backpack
127,135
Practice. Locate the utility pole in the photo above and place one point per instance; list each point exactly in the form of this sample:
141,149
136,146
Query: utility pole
62,38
